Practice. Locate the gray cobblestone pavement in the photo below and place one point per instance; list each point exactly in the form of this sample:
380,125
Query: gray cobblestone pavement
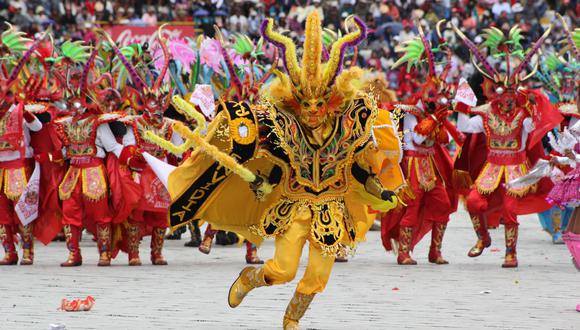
368,292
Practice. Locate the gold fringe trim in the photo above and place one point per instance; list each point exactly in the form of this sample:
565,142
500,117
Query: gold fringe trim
66,195
405,194
102,181
13,196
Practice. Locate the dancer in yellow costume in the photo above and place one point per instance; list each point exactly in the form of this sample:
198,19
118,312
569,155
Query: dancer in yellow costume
310,156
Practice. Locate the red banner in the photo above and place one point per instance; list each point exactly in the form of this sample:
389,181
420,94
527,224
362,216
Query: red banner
126,34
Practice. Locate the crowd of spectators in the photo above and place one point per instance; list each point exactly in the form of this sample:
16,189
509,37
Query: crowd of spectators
390,21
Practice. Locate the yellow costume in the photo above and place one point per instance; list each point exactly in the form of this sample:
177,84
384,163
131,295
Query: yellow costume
311,141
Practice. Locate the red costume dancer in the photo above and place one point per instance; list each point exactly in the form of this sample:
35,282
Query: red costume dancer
427,163
16,158
152,209
513,121
86,138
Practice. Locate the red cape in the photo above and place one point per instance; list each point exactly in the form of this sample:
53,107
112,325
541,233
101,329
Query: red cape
49,221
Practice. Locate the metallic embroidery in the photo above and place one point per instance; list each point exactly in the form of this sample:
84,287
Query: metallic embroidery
425,172
69,182
139,129
517,171
15,181
501,127
330,222
321,167
489,178
11,131
94,183
298,306
79,136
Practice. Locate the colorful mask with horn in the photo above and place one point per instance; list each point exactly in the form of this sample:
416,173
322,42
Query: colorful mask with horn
435,94
13,43
152,100
40,88
504,89
560,73
247,78
314,91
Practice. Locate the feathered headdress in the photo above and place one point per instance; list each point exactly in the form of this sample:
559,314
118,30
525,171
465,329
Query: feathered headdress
16,43
418,51
142,89
313,79
244,80
503,46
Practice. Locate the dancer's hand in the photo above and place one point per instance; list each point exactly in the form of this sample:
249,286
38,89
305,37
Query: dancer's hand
137,162
261,187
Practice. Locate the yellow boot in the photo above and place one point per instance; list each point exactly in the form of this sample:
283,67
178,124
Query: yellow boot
249,279
296,309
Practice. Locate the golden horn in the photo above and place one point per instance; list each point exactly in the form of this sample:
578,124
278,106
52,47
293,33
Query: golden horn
311,59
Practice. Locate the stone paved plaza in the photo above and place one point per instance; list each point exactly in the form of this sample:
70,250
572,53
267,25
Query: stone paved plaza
368,292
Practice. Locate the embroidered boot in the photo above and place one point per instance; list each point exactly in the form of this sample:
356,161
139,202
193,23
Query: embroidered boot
436,241
7,238
296,309
27,244
249,279
206,242
483,238
134,239
72,235
252,254
195,240
104,244
341,254
405,237
157,237
511,240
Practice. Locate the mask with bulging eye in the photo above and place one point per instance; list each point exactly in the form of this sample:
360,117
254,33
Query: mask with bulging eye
313,112
76,105
437,96
154,107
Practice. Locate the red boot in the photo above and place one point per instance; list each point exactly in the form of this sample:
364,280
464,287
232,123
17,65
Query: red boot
7,238
436,241
27,245
483,238
157,237
104,244
405,237
252,254
511,240
72,235
134,238
205,246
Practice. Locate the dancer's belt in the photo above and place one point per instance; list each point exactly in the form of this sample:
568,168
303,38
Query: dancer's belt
420,152
499,157
85,161
17,163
